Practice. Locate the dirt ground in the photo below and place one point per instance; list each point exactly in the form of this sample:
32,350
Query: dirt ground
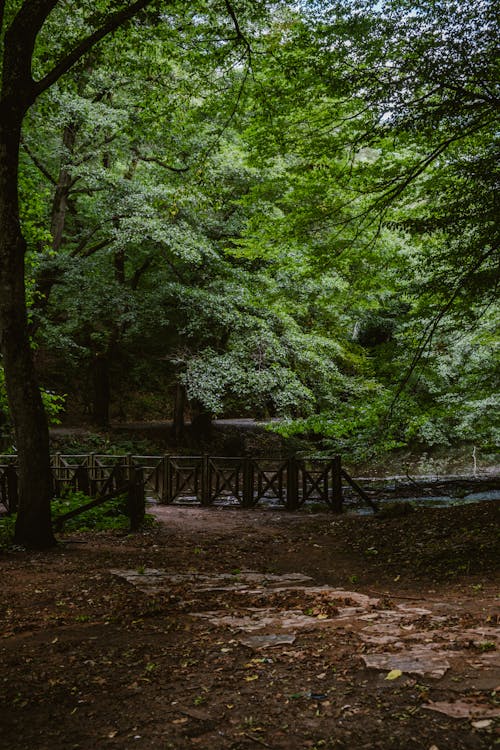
199,633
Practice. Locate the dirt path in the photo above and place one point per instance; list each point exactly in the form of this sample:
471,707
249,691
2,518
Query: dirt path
231,630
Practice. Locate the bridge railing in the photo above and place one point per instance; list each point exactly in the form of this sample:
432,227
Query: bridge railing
200,479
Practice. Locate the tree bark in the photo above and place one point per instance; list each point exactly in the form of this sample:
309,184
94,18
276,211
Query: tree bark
201,422
60,201
33,525
18,92
178,425
102,391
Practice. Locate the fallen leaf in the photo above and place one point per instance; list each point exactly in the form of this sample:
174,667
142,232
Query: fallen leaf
394,674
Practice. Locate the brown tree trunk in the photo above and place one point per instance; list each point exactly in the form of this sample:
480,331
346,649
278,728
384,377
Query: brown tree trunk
33,525
201,422
60,201
18,92
102,391
178,415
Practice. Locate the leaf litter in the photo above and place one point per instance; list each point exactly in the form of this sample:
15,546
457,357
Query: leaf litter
77,658
421,642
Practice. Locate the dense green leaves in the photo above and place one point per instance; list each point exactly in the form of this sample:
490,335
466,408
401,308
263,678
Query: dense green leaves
285,211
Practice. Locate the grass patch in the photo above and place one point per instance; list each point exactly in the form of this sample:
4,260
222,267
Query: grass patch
110,516
7,524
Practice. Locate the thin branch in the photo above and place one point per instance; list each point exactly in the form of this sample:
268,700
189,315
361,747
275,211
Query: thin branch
96,146
239,34
36,161
134,281
156,160
229,119
428,334
113,22
83,242
80,250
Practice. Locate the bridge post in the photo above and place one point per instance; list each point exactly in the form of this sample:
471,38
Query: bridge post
205,480
337,499
136,501
292,484
248,499
82,479
166,496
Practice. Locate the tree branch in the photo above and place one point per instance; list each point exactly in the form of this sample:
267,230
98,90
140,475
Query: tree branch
19,43
228,121
36,161
112,24
430,330
96,146
134,281
239,34
95,248
156,160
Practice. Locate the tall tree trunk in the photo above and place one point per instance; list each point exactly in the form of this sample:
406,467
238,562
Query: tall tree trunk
60,201
201,421
102,390
178,415
33,526
18,91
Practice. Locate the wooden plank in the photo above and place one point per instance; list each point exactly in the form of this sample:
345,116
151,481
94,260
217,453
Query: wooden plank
360,491
337,499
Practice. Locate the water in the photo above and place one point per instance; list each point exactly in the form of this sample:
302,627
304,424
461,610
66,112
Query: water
351,506
438,501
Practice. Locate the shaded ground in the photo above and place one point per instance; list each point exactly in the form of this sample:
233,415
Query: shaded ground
91,659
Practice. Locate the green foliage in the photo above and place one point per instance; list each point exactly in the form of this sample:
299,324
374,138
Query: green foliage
109,515
303,227
53,403
355,428
7,528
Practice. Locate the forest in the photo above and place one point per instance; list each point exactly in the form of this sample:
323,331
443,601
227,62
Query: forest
283,211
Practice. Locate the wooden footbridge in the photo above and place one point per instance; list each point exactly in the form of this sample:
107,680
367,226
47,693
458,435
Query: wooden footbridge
201,480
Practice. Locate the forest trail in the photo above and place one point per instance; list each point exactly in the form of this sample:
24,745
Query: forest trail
231,629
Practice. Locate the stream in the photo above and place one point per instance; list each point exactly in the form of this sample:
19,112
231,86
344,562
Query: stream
355,507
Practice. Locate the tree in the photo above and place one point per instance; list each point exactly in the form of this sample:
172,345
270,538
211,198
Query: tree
429,73
148,200
21,27
385,132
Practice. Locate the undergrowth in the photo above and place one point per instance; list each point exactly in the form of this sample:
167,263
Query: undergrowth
110,516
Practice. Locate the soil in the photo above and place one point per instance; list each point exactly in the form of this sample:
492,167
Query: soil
118,641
